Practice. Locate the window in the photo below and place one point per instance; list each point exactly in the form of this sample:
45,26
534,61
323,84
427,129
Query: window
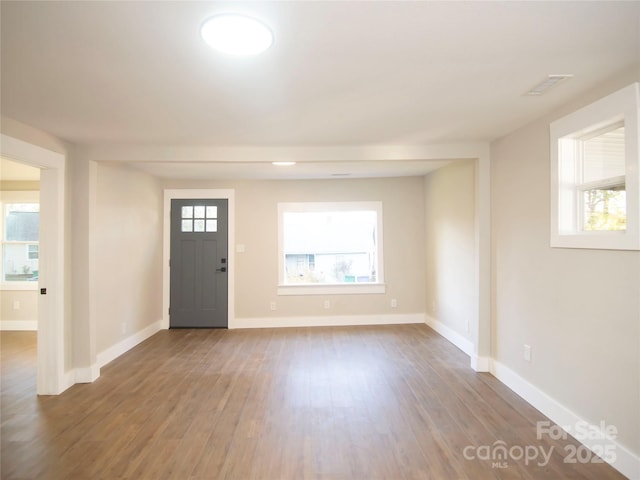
330,248
199,219
594,175
20,249
601,183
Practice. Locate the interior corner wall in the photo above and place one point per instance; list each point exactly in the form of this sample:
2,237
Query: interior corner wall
127,254
256,229
82,185
578,309
451,285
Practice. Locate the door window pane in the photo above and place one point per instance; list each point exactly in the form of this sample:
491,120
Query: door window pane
212,225
200,218
198,211
187,212
187,225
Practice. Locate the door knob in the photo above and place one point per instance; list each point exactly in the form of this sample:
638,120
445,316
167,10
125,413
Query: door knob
223,269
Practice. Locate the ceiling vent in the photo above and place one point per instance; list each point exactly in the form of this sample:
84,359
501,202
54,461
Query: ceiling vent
550,82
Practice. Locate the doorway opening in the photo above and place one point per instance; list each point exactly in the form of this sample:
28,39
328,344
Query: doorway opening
199,194
51,332
199,267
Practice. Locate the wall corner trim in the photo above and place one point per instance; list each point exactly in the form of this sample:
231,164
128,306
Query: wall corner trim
450,334
127,344
87,374
480,364
68,380
626,462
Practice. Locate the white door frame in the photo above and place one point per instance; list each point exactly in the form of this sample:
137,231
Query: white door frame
170,194
51,331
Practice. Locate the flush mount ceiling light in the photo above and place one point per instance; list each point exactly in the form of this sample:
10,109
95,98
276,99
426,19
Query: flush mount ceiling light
236,34
283,164
549,82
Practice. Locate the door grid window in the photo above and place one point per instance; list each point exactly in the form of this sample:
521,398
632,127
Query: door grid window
199,218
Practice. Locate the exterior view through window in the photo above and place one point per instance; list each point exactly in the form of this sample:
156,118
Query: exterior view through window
595,187
336,245
20,248
603,189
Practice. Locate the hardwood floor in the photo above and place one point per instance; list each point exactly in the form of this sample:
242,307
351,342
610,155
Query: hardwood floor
395,402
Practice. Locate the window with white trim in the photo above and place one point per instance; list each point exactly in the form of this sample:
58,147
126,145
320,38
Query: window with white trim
595,198
20,244
330,248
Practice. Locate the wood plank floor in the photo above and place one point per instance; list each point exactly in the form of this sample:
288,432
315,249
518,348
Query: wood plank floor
395,402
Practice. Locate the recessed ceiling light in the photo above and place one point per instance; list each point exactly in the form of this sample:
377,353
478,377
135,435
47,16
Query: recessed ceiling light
283,164
549,82
236,34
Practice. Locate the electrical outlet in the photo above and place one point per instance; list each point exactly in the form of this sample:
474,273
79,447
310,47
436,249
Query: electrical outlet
273,306
124,327
394,303
16,304
527,353
434,307
327,304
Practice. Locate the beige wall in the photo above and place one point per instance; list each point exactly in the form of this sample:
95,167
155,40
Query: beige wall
578,309
126,272
451,285
19,185
27,311
256,228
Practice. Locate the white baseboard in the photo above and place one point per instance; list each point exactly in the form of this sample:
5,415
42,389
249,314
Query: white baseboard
626,461
18,325
127,344
68,381
480,364
87,374
338,320
454,337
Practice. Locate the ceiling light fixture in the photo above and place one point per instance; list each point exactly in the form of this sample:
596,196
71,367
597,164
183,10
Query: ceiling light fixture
545,85
236,34
283,164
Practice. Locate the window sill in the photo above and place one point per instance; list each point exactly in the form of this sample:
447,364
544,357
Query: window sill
332,289
26,286
597,240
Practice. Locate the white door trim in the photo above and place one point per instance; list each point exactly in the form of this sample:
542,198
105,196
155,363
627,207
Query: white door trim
170,194
51,328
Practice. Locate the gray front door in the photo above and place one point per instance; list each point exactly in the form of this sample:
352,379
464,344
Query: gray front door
198,264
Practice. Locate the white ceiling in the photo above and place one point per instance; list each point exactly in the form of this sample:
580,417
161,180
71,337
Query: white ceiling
339,73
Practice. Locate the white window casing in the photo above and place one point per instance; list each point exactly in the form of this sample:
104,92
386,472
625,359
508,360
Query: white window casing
29,248
374,285
567,135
